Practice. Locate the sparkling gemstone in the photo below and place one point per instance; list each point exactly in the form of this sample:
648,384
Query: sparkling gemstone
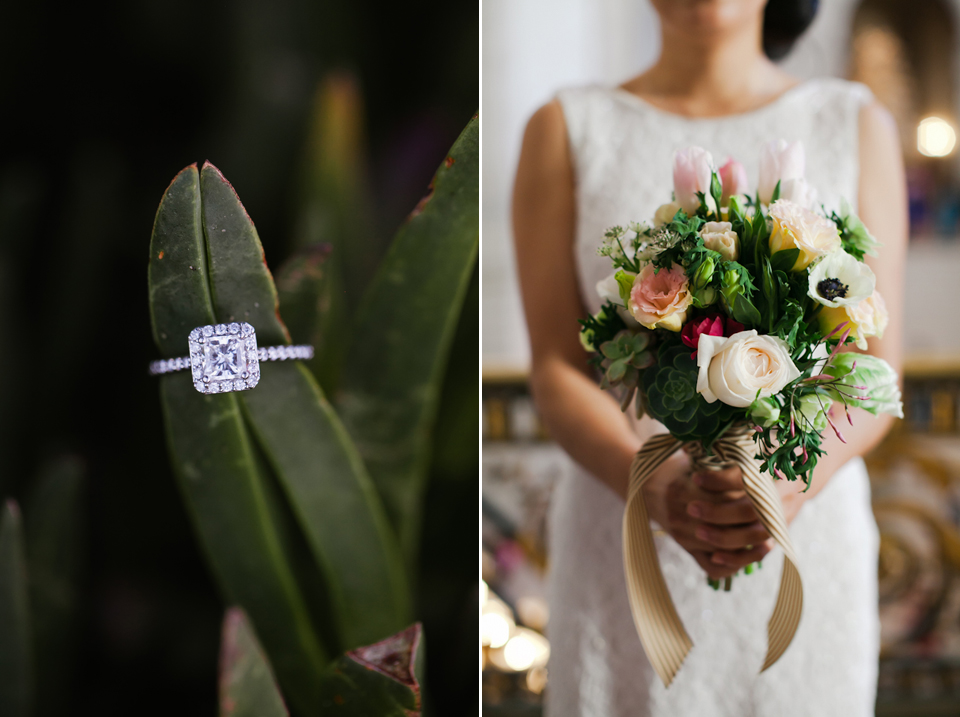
222,361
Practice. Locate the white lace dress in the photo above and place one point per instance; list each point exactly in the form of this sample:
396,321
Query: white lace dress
622,151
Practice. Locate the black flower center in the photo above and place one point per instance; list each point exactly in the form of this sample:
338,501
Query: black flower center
831,289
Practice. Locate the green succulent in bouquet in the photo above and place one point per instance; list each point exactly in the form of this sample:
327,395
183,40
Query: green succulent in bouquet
670,386
308,510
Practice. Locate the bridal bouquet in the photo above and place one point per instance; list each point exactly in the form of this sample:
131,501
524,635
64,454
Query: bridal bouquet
725,319
731,308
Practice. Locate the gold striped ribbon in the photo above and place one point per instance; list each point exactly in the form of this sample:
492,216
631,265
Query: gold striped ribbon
664,638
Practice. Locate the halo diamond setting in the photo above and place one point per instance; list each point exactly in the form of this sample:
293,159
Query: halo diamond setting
225,357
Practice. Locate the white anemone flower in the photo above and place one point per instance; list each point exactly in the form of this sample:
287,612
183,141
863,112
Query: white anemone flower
840,280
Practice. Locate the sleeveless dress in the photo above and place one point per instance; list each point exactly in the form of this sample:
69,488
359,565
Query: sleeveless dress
622,149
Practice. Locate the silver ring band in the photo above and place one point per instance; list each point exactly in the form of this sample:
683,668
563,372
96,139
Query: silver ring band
270,353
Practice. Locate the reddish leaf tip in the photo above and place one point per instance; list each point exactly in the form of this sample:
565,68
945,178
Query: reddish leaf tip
393,657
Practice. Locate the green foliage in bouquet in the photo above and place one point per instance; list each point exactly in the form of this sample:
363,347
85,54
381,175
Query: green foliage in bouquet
671,389
297,505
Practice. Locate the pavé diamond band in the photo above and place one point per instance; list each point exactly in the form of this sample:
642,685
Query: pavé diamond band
225,357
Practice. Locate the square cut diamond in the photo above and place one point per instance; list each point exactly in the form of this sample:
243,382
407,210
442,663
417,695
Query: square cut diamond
223,357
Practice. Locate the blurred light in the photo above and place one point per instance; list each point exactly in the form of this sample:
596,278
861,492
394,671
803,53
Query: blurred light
495,629
537,680
935,137
484,592
526,649
533,611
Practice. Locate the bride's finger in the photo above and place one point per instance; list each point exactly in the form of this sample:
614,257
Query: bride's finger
732,538
718,481
737,559
733,512
714,571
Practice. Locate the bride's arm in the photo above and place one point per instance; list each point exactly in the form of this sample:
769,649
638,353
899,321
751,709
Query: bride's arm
584,420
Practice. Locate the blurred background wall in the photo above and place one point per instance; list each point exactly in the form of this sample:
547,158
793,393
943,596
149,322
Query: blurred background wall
101,105
909,54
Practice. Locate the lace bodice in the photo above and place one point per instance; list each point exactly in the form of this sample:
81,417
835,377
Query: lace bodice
622,151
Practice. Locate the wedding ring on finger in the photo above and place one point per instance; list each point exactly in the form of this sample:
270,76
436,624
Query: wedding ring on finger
225,358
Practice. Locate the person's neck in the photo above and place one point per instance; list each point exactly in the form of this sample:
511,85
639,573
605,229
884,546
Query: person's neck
711,77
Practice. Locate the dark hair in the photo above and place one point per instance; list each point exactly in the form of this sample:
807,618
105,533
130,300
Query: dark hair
784,21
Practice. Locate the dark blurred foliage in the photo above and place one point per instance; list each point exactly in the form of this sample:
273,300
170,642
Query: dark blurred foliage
102,104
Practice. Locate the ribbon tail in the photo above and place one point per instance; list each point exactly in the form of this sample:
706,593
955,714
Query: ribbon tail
661,631
789,606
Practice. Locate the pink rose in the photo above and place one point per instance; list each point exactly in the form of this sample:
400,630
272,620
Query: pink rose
692,169
712,325
780,161
660,299
733,177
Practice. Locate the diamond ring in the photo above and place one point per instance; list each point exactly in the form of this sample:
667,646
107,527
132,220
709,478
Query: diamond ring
225,357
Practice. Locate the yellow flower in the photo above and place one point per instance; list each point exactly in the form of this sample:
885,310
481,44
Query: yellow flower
795,227
866,319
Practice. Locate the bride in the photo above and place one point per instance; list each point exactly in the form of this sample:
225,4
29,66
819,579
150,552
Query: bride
599,156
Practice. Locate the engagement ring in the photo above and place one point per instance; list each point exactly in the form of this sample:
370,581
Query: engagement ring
225,357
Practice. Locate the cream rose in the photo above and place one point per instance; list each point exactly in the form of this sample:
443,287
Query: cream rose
739,369
795,227
720,237
665,213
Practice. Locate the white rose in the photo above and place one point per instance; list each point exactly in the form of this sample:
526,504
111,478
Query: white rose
739,369
720,237
780,161
665,213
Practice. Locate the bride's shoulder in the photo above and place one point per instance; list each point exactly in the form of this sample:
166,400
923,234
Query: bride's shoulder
835,89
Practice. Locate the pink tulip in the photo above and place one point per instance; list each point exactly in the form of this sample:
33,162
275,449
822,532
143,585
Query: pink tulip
733,176
780,161
692,169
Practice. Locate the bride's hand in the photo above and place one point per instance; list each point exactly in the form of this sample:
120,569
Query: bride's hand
708,514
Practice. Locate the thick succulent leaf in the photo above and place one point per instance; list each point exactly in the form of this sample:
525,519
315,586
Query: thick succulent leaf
303,440
228,494
55,532
16,659
391,383
311,294
247,684
384,679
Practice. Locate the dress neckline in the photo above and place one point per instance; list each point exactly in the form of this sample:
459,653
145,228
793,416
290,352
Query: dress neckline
641,103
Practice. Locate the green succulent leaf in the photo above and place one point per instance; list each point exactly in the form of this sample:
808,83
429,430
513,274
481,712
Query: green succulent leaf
55,531
610,349
247,685
391,385
229,495
303,439
16,649
384,679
